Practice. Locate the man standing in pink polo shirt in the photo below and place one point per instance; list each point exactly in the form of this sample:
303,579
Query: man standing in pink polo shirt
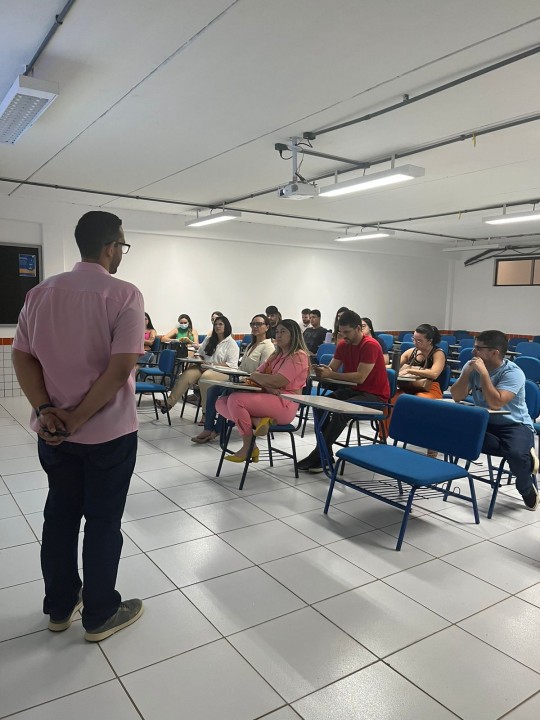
74,352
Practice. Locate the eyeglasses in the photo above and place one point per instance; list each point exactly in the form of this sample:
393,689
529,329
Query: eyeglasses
125,246
256,324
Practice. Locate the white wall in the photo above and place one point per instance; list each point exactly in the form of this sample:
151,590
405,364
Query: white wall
257,266
181,274
478,305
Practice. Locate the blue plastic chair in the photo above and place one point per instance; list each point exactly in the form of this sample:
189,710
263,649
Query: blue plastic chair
402,334
167,361
528,349
466,342
407,337
201,338
530,366
325,349
455,430
164,368
405,346
450,339
462,334
513,342
388,340
444,346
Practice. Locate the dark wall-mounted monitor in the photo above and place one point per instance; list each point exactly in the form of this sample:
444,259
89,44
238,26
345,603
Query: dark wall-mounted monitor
20,271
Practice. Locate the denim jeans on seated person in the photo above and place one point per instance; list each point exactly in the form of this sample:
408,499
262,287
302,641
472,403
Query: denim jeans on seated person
212,421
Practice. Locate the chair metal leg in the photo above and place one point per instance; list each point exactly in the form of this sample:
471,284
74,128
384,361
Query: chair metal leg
247,463
224,446
331,486
473,500
405,519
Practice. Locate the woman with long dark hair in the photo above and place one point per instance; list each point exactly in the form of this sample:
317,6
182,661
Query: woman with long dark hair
336,335
218,349
259,350
285,371
367,329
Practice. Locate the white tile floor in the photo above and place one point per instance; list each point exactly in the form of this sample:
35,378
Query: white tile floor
258,605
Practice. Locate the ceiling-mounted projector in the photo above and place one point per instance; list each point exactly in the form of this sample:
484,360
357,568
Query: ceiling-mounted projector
298,191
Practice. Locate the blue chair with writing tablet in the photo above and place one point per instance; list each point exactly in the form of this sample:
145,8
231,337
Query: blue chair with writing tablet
528,349
455,430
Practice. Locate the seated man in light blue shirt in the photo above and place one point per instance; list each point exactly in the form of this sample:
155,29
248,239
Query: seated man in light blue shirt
499,384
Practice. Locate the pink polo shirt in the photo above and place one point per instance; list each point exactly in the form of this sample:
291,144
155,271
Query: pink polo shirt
72,323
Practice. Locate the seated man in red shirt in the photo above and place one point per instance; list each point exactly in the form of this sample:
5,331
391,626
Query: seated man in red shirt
363,363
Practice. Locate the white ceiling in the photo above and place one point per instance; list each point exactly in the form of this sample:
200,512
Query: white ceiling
184,100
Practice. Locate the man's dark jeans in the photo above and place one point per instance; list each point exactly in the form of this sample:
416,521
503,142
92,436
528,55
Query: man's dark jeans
90,481
513,442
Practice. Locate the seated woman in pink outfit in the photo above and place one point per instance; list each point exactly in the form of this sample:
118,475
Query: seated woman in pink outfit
285,371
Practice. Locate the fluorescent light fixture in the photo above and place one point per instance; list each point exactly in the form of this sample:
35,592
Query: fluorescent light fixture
512,218
366,236
221,216
368,182
460,248
26,100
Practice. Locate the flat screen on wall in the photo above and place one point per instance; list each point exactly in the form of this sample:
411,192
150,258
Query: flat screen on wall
20,271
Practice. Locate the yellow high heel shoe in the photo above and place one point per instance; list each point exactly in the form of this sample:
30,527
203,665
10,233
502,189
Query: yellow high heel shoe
263,427
236,459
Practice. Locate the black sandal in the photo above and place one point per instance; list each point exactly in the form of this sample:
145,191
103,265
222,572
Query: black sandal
163,408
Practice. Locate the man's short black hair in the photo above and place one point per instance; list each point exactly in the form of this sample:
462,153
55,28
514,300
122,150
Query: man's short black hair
305,311
350,319
315,312
494,339
94,230
272,310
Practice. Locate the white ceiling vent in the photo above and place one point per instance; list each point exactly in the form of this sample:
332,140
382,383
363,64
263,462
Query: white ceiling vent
25,101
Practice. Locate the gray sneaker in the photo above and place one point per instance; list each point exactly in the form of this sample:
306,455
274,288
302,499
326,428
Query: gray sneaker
128,612
65,623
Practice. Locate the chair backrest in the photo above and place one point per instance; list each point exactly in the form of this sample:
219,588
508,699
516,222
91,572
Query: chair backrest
443,344
460,334
324,349
392,381
532,398
465,355
450,339
248,337
167,359
466,342
201,338
449,428
444,378
536,338
405,346
530,366
156,345
387,339
401,335
407,337
326,359
515,341
529,349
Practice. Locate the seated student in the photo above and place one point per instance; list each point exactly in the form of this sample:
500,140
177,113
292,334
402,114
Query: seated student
182,332
305,319
499,384
274,316
363,364
426,361
213,316
149,338
285,371
220,348
367,329
314,335
336,335
259,350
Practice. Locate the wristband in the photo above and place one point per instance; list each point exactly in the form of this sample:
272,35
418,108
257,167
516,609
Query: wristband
40,409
